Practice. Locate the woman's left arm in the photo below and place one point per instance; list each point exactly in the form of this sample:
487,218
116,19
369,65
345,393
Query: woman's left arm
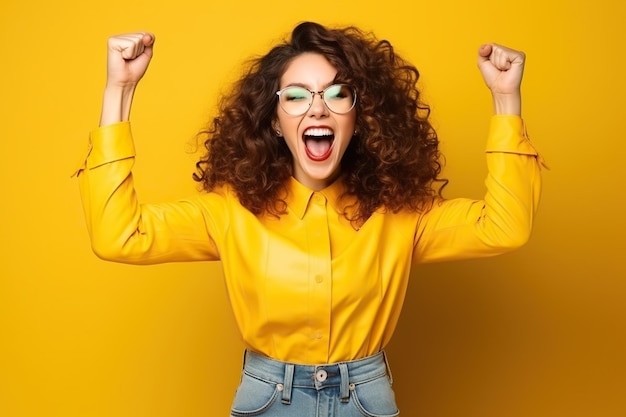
464,228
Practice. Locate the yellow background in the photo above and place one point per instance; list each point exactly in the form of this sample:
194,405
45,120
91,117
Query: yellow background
540,332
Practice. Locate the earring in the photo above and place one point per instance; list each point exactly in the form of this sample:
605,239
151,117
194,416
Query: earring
276,129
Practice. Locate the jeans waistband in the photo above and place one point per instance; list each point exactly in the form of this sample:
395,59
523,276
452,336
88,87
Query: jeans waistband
344,375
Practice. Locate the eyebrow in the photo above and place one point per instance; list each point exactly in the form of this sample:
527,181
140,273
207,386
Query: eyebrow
328,84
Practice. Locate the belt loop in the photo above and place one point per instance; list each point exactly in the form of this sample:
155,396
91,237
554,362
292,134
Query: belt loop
288,383
388,367
344,388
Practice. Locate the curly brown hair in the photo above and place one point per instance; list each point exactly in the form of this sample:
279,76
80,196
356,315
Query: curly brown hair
393,163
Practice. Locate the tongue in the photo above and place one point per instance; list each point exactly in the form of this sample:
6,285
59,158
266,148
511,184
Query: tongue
318,147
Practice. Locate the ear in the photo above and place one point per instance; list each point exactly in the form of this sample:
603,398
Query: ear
276,128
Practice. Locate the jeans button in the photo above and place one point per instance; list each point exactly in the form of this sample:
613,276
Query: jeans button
321,375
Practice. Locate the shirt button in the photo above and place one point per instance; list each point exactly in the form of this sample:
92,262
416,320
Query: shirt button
321,375
318,335
319,278
319,199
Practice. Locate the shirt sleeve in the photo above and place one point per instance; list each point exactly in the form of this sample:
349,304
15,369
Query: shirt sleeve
464,228
123,230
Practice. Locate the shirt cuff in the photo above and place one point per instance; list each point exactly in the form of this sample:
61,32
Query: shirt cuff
507,134
108,144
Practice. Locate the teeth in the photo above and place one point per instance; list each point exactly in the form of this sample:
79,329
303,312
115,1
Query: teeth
315,131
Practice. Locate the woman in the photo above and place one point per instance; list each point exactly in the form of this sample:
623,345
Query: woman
322,189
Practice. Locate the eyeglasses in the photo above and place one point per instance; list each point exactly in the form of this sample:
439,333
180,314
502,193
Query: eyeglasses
296,101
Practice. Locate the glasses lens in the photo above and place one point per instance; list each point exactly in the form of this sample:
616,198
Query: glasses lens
295,100
339,98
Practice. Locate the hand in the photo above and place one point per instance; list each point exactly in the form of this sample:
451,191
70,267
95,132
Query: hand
127,61
128,58
502,69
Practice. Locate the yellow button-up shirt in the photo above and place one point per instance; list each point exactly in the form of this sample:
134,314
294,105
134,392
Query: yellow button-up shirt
308,287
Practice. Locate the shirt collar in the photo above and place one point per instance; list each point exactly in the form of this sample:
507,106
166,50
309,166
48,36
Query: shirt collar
299,195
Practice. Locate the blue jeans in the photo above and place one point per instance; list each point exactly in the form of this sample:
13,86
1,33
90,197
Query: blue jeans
271,388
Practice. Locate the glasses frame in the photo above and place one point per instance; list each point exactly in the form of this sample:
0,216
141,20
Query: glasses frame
321,94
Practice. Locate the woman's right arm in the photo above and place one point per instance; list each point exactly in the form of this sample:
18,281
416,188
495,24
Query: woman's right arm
121,229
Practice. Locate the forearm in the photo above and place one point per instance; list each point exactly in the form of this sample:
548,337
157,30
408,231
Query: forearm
106,185
507,104
116,104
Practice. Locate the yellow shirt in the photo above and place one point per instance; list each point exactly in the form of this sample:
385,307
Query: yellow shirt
307,287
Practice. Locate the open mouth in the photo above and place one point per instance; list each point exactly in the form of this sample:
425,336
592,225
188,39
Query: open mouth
318,142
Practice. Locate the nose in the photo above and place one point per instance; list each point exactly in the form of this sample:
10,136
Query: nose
318,107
